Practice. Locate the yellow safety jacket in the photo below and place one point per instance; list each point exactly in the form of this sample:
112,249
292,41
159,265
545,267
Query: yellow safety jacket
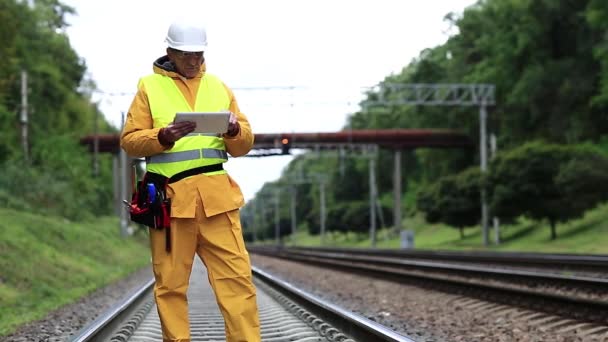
195,149
139,138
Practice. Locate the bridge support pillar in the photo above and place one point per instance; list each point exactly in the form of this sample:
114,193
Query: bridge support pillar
397,192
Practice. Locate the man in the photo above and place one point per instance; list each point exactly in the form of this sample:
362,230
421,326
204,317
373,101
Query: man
205,203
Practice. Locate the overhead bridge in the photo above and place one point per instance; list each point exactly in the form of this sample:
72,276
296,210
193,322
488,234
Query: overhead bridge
384,138
271,144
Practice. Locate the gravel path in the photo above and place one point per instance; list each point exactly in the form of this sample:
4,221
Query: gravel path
68,320
420,314
417,313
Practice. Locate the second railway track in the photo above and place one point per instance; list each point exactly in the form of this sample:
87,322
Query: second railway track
569,302
285,317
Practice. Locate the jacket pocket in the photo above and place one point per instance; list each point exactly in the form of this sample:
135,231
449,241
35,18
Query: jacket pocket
183,197
219,195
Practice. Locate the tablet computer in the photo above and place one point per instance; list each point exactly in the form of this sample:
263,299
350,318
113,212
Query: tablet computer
206,122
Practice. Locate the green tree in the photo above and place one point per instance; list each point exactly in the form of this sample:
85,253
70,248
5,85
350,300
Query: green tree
583,180
538,53
453,200
549,62
353,216
58,173
597,16
547,181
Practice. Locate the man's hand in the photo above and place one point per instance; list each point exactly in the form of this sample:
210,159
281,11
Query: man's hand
233,126
175,131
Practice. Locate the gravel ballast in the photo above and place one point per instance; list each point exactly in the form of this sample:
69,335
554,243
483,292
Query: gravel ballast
59,325
422,315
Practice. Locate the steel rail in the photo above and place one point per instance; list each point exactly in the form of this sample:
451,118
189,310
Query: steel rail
398,274
107,326
104,326
435,265
356,326
587,260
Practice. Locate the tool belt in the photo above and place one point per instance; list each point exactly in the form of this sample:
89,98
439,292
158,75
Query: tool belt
149,204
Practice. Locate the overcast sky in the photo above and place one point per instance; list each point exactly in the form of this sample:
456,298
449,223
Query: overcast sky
295,66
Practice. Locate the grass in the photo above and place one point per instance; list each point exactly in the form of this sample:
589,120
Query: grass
587,235
47,262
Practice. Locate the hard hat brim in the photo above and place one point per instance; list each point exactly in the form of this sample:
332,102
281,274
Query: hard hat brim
188,48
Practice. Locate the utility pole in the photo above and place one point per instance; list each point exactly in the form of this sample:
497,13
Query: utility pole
369,152
263,212
372,200
299,178
277,223
256,220
124,171
95,144
23,119
483,156
293,212
322,211
397,192
495,220
446,94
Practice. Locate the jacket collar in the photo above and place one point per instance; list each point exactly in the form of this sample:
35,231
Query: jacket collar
163,66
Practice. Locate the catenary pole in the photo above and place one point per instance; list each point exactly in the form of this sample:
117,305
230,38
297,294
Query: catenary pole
397,191
446,94
322,211
277,224
483,154
372,199
293,212
124,170
23,119
95,143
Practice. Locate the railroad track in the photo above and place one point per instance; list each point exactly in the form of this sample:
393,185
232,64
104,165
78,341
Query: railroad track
286,314
512,285
578,263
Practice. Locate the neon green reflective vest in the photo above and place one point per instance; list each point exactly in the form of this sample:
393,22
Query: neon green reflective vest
193,150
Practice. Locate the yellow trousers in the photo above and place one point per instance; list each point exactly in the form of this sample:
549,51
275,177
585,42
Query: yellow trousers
218,241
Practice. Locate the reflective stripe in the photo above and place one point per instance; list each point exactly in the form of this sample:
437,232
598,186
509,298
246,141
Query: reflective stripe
166,99
209,153
186,155
174,157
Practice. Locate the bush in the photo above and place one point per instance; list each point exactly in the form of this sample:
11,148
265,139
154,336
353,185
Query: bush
58,181
453,200
547,181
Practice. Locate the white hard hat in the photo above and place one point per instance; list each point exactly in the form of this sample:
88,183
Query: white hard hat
187,35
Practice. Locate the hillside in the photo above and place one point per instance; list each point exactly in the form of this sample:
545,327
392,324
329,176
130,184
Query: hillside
47,262
587,235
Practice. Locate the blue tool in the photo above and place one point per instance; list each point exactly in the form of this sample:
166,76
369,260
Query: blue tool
151,192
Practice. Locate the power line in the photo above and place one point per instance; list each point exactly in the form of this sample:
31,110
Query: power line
240,88
294,102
